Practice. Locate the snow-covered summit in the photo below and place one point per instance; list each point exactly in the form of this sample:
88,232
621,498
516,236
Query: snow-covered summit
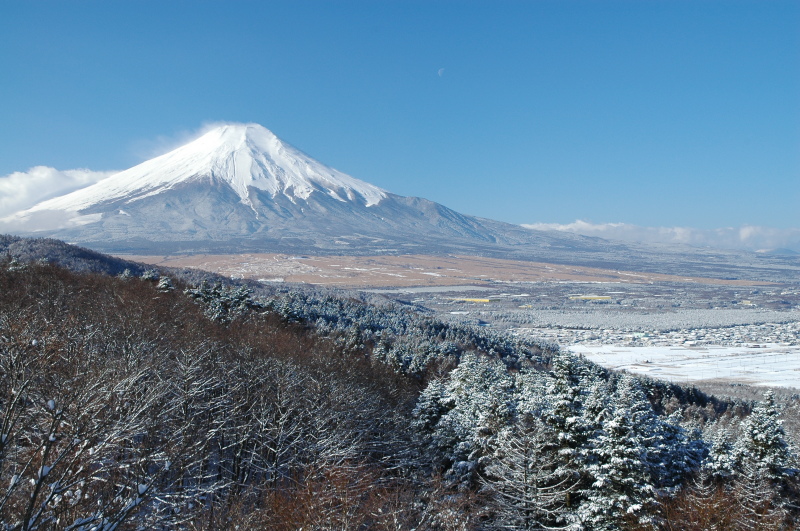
242,156
238,188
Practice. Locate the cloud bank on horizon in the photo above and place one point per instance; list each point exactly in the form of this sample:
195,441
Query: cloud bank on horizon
21,190
746,237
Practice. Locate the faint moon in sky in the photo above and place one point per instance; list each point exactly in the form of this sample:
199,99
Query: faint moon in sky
441,71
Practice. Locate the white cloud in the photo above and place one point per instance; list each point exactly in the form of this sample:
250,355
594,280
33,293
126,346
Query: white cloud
21,190
747,237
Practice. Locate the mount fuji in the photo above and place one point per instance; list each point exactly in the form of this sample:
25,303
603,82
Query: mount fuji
239,188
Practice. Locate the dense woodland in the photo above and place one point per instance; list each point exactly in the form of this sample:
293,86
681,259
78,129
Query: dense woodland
134,400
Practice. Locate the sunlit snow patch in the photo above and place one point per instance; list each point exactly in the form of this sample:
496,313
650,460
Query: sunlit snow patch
765,365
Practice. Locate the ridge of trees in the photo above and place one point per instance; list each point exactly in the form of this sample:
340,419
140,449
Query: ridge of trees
139,401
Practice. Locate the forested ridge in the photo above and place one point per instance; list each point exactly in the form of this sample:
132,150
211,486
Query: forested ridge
138,401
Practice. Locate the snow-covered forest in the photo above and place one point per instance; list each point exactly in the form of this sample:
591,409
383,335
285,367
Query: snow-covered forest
136,400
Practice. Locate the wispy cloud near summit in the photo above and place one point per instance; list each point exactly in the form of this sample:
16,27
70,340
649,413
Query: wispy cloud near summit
747,237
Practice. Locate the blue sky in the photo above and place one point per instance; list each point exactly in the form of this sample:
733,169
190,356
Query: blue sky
651,113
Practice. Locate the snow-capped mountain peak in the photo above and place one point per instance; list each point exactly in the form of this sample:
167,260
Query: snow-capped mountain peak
237,187
243,156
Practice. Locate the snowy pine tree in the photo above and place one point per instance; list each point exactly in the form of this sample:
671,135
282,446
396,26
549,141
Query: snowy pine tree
477,398
565,417
720,462
617,462
529,489
763,445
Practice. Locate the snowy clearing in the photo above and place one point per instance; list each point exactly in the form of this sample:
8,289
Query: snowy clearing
766,365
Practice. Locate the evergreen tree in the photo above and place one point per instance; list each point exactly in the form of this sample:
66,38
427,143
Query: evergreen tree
477,398
529,489
720,462
565,395
762,445
617,462
673,454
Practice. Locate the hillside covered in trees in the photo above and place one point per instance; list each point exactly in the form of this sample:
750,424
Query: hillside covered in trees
131,400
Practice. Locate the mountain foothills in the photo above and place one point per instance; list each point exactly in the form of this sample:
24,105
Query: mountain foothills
146,399
239,188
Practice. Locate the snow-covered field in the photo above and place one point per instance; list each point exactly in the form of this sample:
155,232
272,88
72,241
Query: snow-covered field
768,364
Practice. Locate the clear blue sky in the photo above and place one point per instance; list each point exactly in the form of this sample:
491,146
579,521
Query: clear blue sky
656,113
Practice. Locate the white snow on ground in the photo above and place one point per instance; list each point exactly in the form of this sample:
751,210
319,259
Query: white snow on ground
770,365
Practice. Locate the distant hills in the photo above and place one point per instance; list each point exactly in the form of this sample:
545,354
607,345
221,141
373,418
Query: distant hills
239,188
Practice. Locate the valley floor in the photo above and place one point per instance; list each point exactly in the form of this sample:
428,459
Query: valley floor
671,327
408,270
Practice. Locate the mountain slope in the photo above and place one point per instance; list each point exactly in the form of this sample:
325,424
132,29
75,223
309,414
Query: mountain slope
239,188
240,184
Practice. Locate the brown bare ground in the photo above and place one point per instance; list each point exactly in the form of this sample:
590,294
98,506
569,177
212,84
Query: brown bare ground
406,270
